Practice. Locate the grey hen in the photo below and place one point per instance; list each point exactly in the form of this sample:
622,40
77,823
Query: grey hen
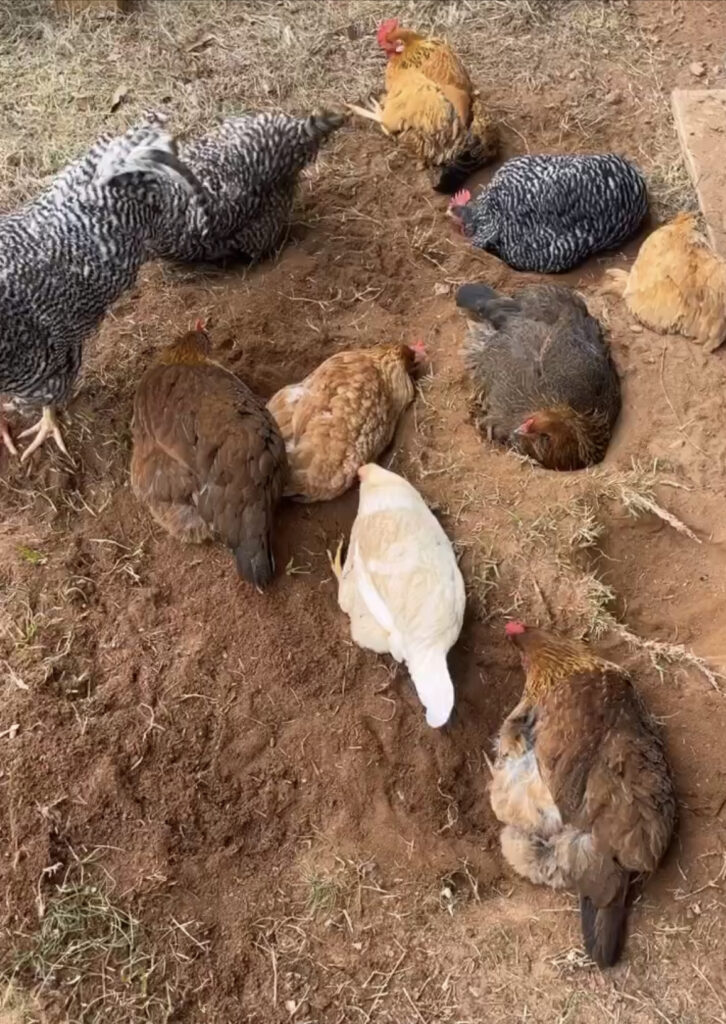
248,167
549,213
66,256
544,380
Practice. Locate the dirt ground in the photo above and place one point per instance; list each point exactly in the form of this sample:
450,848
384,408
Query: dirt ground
213,806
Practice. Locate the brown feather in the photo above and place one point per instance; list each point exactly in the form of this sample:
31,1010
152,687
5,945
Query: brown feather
343,415
582,783
208,459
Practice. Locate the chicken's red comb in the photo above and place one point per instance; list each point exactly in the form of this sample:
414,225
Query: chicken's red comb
418,346
527,427
199,325
460,198
515,628
384,30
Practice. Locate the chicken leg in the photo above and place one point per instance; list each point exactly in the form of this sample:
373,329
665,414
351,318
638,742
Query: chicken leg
336,563
372,113
47,426
6,437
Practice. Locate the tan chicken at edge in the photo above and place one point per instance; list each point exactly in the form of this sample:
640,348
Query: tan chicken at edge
343,415
581,783
431,106
677,284
208,459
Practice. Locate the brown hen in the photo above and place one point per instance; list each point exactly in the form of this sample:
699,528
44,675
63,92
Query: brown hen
342,416
208,459
582,783
544,380
677,284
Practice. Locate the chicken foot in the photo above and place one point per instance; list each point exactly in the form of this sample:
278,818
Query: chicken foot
336,563
47,426
6,438
374,112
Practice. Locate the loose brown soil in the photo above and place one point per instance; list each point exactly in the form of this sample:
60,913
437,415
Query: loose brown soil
265,798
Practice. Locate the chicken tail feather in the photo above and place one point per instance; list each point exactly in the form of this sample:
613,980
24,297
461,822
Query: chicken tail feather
325,122
478,148
570,859
455,174
603,928
603,887
156,154
255,562
475,297
430,675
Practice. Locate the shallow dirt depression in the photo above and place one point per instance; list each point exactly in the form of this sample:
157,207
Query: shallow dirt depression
214,807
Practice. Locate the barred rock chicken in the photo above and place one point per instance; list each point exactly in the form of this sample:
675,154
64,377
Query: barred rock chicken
67,255
677,284
208,459
549,213
431,106
581,783
401,586
248,167
343,415
544,382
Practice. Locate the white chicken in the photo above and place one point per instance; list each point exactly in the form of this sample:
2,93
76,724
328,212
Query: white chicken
401,586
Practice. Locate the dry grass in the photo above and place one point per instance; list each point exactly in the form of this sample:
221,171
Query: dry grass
90,953
201,59
75,77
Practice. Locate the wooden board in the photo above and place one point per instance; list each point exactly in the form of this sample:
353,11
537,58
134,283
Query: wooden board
700,116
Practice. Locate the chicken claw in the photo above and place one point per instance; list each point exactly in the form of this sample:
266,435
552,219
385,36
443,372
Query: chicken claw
47,426
5,437
336,563
374,111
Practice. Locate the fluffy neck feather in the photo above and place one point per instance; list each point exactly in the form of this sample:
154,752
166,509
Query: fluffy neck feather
550,661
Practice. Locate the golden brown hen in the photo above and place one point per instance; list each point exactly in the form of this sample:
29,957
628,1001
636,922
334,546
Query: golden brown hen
677,284
431,106
343,415
581,783
208,459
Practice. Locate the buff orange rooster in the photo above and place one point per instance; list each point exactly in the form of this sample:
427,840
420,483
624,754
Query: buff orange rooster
431,106
677,284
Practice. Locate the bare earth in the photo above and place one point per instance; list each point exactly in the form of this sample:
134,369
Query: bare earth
225,768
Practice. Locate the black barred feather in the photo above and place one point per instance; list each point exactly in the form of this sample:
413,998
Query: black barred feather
549,213
248,167
67,255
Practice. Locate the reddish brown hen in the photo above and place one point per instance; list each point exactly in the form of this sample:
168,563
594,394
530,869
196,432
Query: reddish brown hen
343,415
582,783
208,459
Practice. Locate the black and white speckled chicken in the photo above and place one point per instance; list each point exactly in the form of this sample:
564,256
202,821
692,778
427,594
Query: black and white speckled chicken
66,256
549,213
248,167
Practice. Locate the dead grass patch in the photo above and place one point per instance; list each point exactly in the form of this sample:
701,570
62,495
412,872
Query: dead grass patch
89,956
202,59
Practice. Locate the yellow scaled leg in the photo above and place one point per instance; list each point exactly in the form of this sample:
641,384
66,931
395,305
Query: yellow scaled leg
373,112
336,563
5,436
47,426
